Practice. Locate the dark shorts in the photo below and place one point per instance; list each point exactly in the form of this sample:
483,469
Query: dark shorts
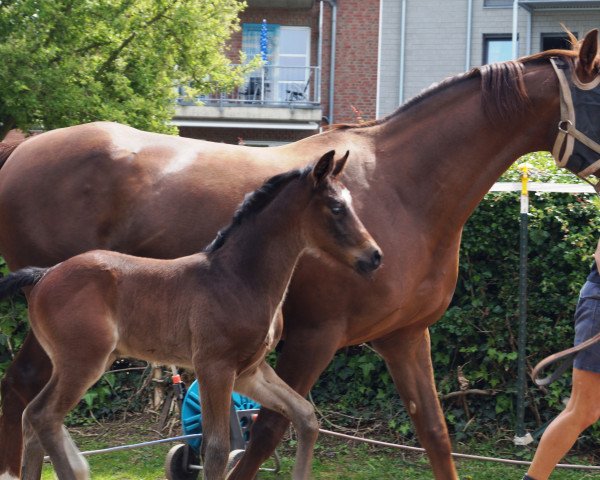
587,324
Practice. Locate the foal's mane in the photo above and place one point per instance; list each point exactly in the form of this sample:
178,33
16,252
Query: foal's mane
255,202
502,86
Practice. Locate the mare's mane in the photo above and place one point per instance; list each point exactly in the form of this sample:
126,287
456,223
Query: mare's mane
502,86
255,202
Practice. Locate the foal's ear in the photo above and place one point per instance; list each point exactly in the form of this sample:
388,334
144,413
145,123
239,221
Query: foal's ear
340,164
588,51
323,167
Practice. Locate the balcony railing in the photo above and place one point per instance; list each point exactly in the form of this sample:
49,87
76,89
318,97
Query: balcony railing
270,86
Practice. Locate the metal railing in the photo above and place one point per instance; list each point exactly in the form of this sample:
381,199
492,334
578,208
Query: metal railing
270,85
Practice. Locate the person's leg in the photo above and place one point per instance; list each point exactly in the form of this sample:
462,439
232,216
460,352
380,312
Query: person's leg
582,411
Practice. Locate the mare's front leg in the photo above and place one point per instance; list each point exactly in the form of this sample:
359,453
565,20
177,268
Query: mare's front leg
271,391
215,382
305,354
408,358
24,379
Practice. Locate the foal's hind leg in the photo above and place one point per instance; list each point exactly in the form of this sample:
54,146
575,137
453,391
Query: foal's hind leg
46,413
273,393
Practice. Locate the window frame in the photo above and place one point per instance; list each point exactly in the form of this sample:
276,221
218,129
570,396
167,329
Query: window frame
487,37
508,4
552,35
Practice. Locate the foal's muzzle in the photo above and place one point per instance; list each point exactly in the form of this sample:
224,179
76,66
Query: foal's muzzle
369,262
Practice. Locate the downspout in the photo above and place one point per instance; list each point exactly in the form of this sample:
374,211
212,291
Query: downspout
379,45
402,54
529,22
333,4
469,35
319,61
515,26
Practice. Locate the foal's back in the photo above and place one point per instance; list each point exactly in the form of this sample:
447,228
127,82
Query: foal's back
139,305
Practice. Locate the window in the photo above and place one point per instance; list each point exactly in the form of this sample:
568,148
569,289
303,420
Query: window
550,41
497,3
287,71
497,48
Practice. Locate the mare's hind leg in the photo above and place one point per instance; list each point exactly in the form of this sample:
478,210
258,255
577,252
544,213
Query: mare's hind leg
408,358
216,385
272,392
24,379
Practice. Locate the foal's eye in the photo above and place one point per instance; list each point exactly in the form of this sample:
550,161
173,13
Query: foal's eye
337,209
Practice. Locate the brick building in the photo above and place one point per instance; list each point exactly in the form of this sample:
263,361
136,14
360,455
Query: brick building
338,61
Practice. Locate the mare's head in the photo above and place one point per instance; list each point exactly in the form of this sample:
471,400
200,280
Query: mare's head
330,223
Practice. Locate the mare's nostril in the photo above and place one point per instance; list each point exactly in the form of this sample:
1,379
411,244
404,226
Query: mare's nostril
376,258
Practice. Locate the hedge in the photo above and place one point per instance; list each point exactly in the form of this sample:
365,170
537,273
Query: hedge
476,338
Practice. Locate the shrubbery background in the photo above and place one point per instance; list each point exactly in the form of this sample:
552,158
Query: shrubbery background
476,337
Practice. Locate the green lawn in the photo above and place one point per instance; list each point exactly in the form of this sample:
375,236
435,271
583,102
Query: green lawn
334,459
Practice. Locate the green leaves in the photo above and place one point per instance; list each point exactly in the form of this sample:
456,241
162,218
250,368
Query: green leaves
478,332
66,62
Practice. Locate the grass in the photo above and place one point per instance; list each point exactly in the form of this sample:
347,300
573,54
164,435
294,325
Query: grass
334,459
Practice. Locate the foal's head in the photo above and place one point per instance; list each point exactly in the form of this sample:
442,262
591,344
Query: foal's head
330,223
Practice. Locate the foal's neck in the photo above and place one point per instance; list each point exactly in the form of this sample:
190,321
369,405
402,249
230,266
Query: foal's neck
263,251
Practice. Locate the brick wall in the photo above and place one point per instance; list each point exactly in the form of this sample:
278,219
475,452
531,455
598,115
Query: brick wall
356,59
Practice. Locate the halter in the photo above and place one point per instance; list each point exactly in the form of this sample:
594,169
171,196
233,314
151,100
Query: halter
565,139
567,131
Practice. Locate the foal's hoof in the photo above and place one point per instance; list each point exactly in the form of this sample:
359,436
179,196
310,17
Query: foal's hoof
180,463
234,457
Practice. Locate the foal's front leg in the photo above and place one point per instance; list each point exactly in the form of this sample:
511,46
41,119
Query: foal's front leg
273,393
216,385
33,453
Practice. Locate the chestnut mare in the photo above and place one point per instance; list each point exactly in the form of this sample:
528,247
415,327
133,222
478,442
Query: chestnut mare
218,312
417,176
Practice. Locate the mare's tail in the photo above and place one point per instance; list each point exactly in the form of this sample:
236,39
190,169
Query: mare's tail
6,149
14,282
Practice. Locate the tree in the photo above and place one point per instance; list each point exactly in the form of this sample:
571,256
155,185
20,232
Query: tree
64,62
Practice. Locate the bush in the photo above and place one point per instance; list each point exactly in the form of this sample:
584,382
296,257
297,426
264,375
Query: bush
476,338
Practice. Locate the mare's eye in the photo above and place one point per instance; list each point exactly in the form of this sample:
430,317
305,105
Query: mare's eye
337,209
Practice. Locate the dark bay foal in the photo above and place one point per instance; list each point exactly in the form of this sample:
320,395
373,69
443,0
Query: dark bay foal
218,312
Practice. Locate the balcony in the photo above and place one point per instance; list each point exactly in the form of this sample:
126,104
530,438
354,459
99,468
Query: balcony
289,4
272,96
532,5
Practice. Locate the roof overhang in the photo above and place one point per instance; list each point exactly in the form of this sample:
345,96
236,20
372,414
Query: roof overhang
255,125
270,118
535,5
290,4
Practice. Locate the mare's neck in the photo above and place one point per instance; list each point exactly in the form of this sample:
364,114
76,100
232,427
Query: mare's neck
453,153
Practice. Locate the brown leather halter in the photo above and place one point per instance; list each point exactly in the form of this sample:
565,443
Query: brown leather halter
567,131
565,141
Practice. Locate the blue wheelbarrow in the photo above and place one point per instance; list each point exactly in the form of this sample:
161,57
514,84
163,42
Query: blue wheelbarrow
183,461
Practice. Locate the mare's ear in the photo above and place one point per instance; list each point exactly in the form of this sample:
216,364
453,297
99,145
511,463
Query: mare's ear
588,51
340,164
323,168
